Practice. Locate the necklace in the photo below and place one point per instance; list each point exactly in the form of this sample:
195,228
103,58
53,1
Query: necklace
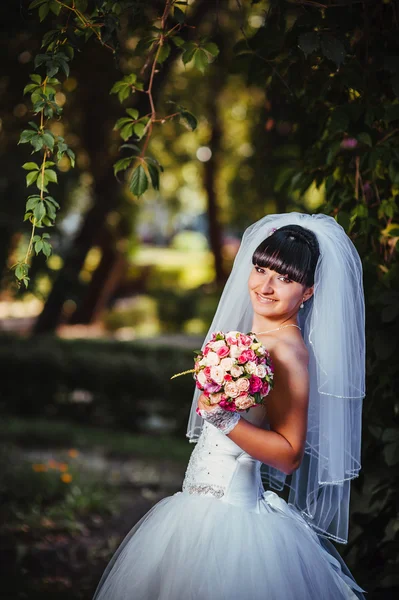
277,328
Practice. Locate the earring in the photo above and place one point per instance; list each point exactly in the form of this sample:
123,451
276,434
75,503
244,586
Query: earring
302,304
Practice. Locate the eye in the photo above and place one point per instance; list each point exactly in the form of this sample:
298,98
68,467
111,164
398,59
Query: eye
285,279
259,270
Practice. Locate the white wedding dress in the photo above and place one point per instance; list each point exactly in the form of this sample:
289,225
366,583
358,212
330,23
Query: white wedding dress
223,537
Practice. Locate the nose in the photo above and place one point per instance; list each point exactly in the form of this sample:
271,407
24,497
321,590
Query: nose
267,287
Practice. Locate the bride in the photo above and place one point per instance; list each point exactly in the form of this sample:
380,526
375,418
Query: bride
297,283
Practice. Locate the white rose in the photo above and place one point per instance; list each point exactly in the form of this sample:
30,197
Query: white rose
218,344
231,336
217,374
245,401
243,384
203,362
226,363
235,351
201,377
236,371
250,367
261,371
230,389
215,398
212,359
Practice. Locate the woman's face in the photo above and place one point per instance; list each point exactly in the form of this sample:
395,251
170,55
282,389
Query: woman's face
275,294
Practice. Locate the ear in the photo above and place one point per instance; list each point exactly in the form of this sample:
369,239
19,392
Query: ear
308,293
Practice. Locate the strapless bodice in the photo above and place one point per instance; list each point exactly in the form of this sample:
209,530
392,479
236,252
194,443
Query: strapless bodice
218,467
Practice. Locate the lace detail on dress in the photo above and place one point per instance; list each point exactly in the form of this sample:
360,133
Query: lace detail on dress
222,419
198,465
215,490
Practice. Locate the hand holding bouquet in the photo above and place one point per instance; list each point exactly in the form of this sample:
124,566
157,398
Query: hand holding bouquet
234,370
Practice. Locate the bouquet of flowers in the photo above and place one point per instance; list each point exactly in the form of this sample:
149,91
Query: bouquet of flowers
233,370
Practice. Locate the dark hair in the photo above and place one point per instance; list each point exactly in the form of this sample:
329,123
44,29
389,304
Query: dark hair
291,250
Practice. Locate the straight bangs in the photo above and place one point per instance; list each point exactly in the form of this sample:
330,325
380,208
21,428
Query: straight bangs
286,256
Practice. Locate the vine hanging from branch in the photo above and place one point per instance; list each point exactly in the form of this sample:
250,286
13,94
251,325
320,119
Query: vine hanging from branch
76,23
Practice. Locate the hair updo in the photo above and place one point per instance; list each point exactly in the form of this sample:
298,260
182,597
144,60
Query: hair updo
291,250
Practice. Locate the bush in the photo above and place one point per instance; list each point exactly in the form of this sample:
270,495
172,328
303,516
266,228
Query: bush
98,382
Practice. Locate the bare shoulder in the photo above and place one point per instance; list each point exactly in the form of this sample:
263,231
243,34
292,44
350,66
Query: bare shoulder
292,353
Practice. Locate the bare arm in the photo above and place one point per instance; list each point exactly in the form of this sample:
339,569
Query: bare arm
287,409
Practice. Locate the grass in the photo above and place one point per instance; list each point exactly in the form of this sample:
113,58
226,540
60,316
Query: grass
57,433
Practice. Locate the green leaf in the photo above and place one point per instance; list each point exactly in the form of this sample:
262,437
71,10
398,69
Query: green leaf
37,142
31,177
54,202
211,48
189,50
154,175
122,164
163,53
30,166
133,112
36,78
179,15
38,246
188,119
30,87
201,60
139,129
26,136
127,131
122,122
71,156
21,270
365,138
43,11
308,42
46,249
55,8
332,49
50,175
48,139
31,202
39,211
36,3
177,40
139,181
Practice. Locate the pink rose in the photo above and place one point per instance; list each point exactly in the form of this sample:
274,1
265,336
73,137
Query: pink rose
245,340
223,351
246,356
242,384
212,388
244,401
231,390
207,372
232,337
198,385
228,405
255,384
228,377
265,389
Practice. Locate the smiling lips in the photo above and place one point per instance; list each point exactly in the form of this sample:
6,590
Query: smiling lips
263,299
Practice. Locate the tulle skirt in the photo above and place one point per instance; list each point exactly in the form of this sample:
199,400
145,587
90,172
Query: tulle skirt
195,547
